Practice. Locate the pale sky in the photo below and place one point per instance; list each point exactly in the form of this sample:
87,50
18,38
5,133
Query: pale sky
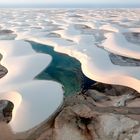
123,2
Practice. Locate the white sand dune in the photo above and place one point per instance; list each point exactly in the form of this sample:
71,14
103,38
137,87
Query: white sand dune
18,86
117,44
95,61
96,64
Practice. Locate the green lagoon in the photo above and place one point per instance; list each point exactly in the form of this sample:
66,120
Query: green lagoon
63,69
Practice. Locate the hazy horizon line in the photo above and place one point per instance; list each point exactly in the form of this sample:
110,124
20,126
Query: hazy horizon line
70,5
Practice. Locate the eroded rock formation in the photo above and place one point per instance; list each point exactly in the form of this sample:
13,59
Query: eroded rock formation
6,108
3,70
103,112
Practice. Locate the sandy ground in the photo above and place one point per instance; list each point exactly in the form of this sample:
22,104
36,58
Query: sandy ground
19,86
85,34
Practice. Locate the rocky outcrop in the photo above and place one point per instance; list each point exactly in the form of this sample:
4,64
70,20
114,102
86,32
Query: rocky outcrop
113,90
6,108
103,112
3,70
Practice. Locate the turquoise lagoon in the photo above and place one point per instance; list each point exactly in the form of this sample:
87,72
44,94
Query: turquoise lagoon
63,69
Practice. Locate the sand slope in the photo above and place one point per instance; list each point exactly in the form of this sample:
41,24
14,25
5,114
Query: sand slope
18,86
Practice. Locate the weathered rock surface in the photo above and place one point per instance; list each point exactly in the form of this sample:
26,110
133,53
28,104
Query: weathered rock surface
6,108
3,70
104,112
